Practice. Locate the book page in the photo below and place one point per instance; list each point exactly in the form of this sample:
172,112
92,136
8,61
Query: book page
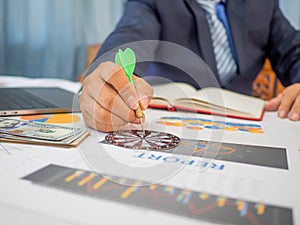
173,91
198,106
210,99
232,100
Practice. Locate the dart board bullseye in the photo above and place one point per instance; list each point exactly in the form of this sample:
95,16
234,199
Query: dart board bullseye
137,139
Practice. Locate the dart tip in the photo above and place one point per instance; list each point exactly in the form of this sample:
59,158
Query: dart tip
143,129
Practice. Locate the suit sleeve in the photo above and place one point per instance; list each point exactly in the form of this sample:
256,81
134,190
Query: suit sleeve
284,48
139,22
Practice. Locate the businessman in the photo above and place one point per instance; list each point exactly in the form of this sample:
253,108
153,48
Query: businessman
233,37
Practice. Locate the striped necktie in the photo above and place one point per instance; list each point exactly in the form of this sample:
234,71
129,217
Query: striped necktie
226,64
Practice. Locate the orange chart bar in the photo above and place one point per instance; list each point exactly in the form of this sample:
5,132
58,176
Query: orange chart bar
87,179
153,187
100,183
73,176
260,209
203,196
129,191
221,201
240,205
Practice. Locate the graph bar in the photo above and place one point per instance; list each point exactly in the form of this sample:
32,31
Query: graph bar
129,191
100,183
87,179
74,175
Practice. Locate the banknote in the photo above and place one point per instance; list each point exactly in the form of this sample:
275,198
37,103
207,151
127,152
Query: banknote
71,141
36,130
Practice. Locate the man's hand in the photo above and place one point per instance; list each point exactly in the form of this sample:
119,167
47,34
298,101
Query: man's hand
108,100
287,103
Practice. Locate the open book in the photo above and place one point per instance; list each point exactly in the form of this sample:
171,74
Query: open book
211,100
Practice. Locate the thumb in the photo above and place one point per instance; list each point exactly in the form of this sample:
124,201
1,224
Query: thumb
274,103
144,92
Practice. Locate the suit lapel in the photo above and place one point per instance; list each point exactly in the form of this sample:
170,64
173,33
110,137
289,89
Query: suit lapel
204,37
236,15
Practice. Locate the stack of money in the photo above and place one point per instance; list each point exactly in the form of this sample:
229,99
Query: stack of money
28,132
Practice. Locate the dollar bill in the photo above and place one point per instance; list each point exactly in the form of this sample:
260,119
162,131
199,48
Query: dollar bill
36,130
71,141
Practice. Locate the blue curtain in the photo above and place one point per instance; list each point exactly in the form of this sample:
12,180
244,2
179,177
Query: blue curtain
48,38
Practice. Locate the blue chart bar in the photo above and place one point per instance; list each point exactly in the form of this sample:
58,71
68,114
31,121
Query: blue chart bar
195,205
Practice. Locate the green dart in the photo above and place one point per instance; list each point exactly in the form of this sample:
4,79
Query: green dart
127,60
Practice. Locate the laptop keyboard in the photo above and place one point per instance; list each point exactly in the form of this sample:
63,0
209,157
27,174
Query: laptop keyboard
18,100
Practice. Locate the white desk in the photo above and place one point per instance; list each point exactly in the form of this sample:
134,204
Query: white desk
27,203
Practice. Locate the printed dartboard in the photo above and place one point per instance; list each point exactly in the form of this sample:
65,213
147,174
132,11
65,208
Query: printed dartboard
138,139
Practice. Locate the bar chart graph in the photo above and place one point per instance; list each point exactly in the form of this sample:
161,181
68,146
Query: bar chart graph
169,199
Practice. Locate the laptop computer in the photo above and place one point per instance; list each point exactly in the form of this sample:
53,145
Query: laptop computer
32,100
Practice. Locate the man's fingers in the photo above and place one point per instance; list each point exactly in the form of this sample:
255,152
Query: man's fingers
144,92
103,115
295,111
111,101
287,103
93,123
99,118
115,76
289,96
274,103
108,96
108,101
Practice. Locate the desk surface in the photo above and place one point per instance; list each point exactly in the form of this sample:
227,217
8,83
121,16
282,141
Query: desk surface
225,178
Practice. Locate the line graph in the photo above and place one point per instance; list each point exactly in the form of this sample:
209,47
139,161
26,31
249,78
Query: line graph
169,199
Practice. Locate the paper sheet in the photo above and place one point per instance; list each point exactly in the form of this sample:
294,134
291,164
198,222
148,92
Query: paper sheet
235,180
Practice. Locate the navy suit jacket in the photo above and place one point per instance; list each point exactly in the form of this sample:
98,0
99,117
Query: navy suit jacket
258,29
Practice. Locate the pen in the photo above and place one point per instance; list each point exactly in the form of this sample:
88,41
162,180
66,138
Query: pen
127,60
